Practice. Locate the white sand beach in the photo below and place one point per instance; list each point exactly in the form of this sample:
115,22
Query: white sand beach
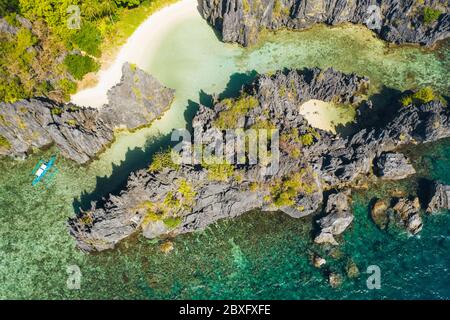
138,49
325,115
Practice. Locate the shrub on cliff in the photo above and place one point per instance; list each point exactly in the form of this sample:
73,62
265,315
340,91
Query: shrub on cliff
78,66
187,192
218,171
88,39
4,143
424,95
235,109
161,160
283,192
172,222
430,15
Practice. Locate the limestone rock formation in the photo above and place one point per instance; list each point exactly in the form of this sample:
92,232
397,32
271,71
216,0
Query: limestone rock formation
137,100
396,21
408,212
393,166
188,197
231,197
379,214
80,133
338,218
440,199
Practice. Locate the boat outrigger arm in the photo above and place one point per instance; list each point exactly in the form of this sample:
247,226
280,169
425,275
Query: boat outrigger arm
42,169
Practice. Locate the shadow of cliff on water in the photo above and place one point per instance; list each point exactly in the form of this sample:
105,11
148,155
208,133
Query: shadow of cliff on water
236,82
135,159
377,112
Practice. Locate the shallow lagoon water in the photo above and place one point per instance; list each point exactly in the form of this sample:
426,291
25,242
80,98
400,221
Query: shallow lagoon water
258,255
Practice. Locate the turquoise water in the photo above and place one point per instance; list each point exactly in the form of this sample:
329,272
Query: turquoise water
258,255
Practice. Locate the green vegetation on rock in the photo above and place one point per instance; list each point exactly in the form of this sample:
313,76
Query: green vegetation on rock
31,60
246,6
307,139
4,143
161,160
56,111
187,192
168,210
218,171
283,192
79,66
423,95
172,222
431,15
235,108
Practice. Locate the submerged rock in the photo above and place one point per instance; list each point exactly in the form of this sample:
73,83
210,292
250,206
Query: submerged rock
318,261
337,219
393,166
79,133
405,212
379,214
396,21
352,270
335,280
166,247
440,199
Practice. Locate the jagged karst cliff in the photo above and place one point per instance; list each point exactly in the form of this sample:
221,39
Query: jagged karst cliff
402,21
178,199
81,133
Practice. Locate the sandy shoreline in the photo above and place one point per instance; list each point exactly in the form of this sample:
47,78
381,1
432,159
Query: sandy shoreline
138,49
325,115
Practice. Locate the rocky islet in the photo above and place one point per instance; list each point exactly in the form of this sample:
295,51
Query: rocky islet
311,161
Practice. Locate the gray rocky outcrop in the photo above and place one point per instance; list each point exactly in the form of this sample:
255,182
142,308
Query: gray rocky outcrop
408,213
11,30
405,212
397,21
337,219
379,213
341,161
440,199
311,161
393,166
137,100
80,133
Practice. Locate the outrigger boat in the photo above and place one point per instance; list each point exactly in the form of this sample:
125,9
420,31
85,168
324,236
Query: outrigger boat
44,170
